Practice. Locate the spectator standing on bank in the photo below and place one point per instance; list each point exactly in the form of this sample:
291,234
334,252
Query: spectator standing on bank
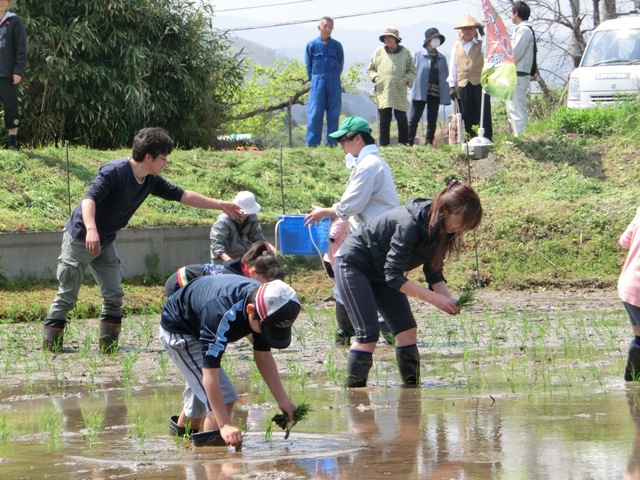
231,237
465,68
523,45
391,69
430,87
89,239
324,58
13,61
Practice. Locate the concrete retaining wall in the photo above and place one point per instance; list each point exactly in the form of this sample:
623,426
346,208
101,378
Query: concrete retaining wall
35,254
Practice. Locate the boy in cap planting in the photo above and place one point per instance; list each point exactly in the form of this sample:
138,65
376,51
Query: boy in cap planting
197,324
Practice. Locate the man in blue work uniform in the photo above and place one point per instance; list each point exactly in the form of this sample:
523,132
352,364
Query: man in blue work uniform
324,58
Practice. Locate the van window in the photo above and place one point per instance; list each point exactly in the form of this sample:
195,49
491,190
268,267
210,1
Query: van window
613,47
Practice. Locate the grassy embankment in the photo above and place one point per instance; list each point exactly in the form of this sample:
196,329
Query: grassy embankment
555,204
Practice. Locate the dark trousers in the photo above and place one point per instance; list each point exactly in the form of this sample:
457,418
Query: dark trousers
417,107
9,96
363,299
385,125
470,106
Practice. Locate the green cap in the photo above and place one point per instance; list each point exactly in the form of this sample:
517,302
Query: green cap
351,124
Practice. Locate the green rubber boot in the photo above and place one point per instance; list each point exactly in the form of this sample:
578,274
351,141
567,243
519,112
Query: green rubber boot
110,327
345,329
52,339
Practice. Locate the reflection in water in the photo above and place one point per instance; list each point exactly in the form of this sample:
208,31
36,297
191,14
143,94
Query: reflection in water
633,469
399,433
113,413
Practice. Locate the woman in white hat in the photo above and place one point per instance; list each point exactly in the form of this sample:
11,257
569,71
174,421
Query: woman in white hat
391,69
466,62
231,239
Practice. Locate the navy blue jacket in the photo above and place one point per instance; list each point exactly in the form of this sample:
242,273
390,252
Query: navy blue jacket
393,243
212,308
118,195
13,47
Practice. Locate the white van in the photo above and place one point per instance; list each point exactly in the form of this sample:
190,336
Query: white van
610,65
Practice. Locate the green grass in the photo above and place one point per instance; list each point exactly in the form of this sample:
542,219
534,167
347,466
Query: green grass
555,202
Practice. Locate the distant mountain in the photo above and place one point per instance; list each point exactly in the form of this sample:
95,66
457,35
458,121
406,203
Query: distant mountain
352,104
359,45
257,53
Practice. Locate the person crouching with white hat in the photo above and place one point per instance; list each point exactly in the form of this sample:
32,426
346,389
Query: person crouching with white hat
230,239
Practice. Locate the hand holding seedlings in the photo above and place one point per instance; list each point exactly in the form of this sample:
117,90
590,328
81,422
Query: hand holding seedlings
466,298
300,415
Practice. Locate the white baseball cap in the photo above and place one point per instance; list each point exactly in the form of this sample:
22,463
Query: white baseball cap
278,307
247,201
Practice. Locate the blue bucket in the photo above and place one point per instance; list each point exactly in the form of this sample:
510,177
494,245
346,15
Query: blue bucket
296,239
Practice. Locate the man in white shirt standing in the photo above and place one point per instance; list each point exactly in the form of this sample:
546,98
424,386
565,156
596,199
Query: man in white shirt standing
523,44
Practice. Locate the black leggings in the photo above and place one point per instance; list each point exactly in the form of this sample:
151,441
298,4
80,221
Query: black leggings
363,299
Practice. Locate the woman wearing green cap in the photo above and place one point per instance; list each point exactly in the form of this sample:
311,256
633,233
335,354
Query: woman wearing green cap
369,192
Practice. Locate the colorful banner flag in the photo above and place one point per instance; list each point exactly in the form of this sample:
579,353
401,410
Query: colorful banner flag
499,75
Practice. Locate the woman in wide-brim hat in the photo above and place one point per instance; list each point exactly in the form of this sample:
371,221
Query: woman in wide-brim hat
391,69
430,88
466,62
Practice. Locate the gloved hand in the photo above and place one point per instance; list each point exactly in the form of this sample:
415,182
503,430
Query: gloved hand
453,93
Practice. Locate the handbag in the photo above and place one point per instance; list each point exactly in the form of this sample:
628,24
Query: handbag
456,130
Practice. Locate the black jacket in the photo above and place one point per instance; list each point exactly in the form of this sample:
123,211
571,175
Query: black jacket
13,47
393,243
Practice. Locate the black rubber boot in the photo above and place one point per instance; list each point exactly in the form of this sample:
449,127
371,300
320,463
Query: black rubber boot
178,431
53,335
345,329
632,370
358,366
386,334
409,364
212,438
109,332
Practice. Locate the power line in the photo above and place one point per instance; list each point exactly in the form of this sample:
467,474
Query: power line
336,17
261,6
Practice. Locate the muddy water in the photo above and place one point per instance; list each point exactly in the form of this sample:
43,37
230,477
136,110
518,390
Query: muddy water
435,432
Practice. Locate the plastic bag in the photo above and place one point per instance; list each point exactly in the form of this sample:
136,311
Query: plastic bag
456,130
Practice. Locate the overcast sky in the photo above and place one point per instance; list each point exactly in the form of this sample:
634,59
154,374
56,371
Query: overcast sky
357,15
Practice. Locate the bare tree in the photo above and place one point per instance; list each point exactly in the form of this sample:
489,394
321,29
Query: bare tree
560,27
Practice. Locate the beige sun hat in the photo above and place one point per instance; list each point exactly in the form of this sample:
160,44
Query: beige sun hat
391,32
469,21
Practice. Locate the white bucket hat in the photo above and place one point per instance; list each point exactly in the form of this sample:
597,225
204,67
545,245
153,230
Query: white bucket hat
247,201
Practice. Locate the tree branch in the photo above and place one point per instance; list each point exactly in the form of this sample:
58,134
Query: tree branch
293,100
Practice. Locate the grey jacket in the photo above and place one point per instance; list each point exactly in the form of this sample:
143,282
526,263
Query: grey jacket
233,238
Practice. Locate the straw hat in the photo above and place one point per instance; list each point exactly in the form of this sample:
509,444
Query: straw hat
391,32
469,21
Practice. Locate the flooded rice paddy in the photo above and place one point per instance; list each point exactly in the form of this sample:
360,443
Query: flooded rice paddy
531,390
